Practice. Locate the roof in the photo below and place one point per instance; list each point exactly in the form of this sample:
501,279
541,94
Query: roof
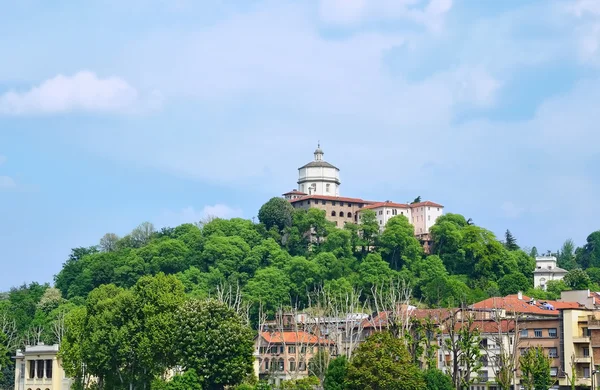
319,164
512,303
386,204
486,326
293,338
555,270
295,192
333,198
425,203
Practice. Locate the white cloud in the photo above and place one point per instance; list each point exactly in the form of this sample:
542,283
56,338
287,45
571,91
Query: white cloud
191,215
83,91
7,182
429,13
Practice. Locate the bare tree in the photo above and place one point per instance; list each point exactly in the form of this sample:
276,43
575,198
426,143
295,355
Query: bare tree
34,335
232,297
8,326
141,234
108,242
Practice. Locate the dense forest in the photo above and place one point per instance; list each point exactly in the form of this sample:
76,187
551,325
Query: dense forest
280,260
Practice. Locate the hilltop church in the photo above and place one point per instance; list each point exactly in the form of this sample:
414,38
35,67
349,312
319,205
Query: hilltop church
319,187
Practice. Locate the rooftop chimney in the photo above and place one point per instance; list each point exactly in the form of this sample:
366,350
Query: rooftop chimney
520,295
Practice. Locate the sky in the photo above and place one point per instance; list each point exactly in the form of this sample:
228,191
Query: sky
113,113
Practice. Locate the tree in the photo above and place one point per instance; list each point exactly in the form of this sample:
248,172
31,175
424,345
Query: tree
417,200
398,243
589,254
189,380
513,283
534,252
383,362
462,343
335,376
577,279
566,255
535,369
318,364
142,234
437,380
108,242
369,229
4,353
213,340
276,212
510,242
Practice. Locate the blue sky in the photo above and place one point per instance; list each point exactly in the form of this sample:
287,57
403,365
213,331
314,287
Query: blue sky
117,112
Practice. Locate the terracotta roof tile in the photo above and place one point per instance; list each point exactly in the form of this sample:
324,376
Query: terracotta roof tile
425,203
386,204
333,198
512,303
295,192
294,338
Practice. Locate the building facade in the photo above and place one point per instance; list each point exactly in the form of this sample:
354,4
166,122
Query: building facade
39,368
546,270
319,177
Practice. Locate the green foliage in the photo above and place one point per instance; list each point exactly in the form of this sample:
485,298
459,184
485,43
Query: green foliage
577,279
566,255
513,283
437,380
335,376
383,362
189,380
213,340
535,369
589,255
277,212
398,243
308,383
510,242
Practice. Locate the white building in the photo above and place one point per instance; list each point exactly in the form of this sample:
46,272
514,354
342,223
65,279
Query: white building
421,215
546,270
319,177
39,368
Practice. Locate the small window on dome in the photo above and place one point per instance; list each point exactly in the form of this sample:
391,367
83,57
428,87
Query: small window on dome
327,187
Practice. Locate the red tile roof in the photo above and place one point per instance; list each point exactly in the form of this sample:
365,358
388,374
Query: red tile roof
300,337
386,204
487,326
333,198
295,192
381,319
425,203
512,303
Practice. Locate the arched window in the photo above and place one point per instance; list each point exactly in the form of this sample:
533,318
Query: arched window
333,213
292,365
341,213
280,364
349,215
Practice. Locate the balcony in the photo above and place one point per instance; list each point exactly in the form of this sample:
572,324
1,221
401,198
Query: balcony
581,340
583,359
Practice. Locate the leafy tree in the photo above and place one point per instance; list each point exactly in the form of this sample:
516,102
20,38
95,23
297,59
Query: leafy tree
108,242
577,279
535,369
437,380
269,288
335,376
398,243
307,383
513,283
141,235
189,380
368,229
50,300
589,255
510,242
4,353
383,362
213,340
566,255
374,271
555,287
594,274
276,212
72,269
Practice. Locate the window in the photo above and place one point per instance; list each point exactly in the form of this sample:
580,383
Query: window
380,212
31,369
292,349
586,372
380,222
323,202
301,366
537,333
438,209
388,212
585,332
341,213
303,349
333,213
292,365
333,202
402,212
273,350
327,187
552,332
349,215
552,352
266,364
280,366
429,217
553,371
586,352
349,204
40,369
49,368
